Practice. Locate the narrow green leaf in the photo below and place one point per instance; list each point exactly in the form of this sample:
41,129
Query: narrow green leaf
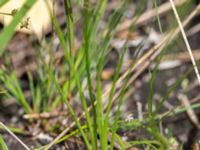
3,145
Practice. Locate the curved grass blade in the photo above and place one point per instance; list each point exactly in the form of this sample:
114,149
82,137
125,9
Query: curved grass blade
12,84
3,145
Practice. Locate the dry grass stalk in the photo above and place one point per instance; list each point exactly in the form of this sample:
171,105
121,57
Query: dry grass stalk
185,39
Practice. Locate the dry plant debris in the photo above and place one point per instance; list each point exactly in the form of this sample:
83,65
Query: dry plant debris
37,21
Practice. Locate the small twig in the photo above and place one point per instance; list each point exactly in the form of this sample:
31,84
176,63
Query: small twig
186,40
44,115
12,134
7,14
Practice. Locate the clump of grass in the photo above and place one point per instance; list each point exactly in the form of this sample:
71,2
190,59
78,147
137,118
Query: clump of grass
12,85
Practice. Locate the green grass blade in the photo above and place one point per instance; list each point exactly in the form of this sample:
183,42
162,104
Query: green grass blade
86,47
70,25
70,109
3,145
192,106
13,86
112,92
120,141
2,2
153,74
153,130
151,144
120,102
157,16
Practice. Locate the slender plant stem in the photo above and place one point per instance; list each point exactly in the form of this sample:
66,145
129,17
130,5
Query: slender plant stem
185,39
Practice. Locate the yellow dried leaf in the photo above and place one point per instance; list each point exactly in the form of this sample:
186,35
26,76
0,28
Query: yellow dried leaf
36,21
